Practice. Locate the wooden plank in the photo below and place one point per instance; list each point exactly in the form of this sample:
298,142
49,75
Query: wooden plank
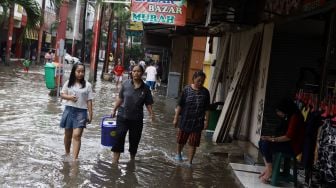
218,67
258,102
241,131
231,63
241,87
231,92
237,89
244,110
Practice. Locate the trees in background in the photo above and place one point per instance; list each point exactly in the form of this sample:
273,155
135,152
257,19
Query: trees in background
33,11
35,20
56,4
118,18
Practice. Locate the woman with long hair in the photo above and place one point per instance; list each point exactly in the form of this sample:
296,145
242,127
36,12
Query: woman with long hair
77,95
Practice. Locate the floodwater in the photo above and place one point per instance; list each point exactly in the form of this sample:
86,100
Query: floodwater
32,151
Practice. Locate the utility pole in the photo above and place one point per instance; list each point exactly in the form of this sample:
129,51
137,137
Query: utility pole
40,34
10,33
76,28
118,39
109,43
60,39
96,35
61,30
83,34
95,43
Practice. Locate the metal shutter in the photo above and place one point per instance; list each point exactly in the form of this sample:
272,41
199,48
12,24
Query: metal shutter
291,51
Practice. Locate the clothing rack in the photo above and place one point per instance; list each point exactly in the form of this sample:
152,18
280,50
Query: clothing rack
316,112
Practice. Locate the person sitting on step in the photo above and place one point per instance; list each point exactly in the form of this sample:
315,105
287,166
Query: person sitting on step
291,139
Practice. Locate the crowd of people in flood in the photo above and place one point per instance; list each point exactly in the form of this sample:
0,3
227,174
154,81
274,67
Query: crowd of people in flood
191,114
152,71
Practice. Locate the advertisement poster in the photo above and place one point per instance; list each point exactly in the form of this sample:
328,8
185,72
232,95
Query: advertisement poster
171,12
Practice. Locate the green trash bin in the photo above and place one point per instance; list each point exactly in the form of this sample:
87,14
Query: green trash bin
49,75
213,119
214,113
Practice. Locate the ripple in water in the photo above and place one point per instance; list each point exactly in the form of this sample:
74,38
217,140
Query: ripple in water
32,151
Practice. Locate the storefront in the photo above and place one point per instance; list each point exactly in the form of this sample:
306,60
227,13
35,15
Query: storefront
294,59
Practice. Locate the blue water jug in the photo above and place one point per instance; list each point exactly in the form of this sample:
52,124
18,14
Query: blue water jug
108,131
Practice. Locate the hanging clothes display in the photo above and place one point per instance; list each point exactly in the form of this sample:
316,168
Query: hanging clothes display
307,102
319,149
312,124
326,163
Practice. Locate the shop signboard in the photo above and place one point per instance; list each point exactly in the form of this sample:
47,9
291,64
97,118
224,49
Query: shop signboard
291,7
136,26
171,12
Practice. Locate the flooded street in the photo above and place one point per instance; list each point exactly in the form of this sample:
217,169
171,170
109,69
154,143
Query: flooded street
32,150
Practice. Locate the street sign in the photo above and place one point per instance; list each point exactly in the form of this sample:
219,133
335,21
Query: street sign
171,12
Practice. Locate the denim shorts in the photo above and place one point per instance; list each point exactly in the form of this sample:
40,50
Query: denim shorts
73,118
151,84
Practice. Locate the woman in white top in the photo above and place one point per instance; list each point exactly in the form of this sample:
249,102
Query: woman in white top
77,95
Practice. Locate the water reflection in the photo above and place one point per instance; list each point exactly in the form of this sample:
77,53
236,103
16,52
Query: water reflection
70,173
182,177
32,149
111,175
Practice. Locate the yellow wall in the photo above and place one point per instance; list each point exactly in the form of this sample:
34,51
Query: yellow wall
206,70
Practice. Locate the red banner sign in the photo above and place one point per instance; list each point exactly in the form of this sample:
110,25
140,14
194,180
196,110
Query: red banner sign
171,12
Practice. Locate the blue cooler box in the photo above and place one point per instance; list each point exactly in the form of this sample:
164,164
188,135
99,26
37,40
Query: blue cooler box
108,131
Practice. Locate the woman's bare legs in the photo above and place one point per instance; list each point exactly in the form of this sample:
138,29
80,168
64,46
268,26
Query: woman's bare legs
76,136
267,173
67,141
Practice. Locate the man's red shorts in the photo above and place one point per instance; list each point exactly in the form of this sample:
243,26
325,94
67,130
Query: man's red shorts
194,138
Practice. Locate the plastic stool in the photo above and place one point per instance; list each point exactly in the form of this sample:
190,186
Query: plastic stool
285,175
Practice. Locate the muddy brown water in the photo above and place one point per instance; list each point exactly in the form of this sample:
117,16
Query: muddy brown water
32,152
